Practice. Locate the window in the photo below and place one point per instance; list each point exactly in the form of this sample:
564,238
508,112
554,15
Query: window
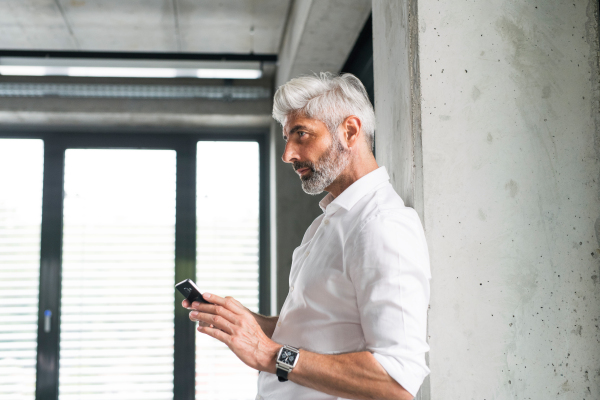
95,230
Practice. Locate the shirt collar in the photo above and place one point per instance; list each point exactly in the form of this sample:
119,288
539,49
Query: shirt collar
349,197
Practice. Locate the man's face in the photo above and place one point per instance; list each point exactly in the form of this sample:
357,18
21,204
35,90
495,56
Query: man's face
317,155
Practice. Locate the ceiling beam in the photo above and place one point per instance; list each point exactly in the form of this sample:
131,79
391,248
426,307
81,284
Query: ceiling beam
319,36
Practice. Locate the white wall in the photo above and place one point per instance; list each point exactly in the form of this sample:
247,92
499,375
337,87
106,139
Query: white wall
510,149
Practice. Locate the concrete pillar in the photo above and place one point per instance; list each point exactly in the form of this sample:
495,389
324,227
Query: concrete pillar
397,105
508,98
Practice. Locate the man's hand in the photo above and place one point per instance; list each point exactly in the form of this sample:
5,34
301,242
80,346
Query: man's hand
231,323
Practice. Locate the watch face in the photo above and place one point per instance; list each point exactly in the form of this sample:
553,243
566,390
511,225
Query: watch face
287,357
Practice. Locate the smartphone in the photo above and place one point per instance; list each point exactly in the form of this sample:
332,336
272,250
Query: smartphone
190,291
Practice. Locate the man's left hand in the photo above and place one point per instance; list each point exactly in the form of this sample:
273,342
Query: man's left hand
228,321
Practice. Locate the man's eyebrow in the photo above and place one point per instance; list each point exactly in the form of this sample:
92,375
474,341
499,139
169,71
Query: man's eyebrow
296,129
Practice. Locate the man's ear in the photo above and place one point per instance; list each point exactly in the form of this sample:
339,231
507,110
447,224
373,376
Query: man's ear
351,127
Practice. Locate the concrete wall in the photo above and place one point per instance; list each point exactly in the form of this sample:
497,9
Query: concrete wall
510,150
397,105
319,36
397,83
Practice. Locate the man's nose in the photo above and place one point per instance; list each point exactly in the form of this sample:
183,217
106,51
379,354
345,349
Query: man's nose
289,153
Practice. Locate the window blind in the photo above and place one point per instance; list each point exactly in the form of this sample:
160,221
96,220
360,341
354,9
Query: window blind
21,170
118,273
227,256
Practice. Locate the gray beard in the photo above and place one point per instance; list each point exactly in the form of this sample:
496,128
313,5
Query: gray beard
326,169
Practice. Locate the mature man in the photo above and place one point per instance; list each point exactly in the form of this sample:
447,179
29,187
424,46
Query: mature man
354,323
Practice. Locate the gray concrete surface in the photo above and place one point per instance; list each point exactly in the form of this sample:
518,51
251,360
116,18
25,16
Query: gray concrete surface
397,105
225,26
124,106
510,145
319,36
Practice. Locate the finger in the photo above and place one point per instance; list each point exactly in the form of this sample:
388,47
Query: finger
196,305
228,302
186,304
209,307
210,319
204,307
215,333
217,310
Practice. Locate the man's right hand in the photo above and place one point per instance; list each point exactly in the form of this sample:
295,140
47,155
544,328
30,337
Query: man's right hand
267,324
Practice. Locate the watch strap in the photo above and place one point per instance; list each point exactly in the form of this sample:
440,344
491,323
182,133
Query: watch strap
282,375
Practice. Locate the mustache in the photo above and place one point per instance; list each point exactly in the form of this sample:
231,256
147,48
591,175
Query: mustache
303,164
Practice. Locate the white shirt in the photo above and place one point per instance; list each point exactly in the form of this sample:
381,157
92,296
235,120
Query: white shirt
359,281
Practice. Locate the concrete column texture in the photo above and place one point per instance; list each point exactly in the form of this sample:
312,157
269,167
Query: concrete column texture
507,103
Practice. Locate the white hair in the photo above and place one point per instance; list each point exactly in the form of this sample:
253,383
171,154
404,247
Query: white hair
328,98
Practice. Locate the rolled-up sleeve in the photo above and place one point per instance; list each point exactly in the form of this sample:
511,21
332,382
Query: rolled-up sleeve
388,263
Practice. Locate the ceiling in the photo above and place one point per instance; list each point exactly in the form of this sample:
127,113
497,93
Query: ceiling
198,26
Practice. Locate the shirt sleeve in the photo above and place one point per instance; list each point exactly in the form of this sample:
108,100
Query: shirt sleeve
388,263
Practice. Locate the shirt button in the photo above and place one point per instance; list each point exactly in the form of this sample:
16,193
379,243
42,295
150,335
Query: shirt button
326,222
278,323
308,252
291,289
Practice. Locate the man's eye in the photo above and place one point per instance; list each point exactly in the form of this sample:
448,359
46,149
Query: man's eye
301,133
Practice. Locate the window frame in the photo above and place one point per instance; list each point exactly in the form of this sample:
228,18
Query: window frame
184,143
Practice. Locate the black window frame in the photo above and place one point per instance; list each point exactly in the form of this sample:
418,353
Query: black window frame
184,142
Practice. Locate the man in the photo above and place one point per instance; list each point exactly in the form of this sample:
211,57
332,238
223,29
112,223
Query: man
354,322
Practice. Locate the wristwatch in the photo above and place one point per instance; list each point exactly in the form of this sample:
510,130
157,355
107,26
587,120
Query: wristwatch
287,358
